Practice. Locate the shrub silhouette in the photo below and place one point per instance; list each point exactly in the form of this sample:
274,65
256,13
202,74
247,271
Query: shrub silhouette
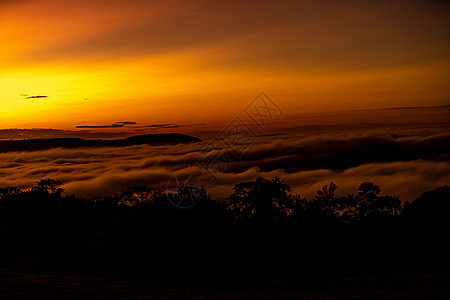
48,185
432,206
264,201
261,227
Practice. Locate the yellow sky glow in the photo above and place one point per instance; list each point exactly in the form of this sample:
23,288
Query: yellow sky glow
100,62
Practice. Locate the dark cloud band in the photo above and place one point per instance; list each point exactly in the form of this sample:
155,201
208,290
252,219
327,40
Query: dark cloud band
404,161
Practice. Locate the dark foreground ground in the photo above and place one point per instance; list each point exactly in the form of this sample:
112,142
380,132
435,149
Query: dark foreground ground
21,283
136,245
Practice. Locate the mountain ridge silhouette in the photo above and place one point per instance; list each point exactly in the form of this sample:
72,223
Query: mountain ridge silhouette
72,143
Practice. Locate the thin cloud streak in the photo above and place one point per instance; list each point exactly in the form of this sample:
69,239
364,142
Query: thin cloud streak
114,125
36,97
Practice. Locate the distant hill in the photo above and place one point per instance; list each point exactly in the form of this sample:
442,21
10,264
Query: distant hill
147,139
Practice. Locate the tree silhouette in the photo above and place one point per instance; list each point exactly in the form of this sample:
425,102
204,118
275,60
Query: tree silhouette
370,203
137,195
327,192
144,228
188,196
367,202
264,201
332,207
432,206
9,192
368,191
48,185
326,203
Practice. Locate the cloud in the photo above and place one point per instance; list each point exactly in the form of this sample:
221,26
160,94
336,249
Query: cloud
316,33
36,97
342,151
167,126
114,125
148,127
48,133
404,161
126,123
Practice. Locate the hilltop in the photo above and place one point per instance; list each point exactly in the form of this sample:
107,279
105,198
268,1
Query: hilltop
45,144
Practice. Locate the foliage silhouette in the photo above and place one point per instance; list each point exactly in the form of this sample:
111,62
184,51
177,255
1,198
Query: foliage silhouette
262,200
262,229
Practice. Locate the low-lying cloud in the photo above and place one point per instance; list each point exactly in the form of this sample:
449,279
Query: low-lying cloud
404,162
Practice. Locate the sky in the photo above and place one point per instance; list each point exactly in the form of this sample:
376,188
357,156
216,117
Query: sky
66,64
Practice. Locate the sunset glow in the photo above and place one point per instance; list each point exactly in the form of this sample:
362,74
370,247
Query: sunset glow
179,62
238,149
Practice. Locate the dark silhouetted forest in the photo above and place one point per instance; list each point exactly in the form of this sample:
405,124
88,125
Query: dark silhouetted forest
261,229
71,143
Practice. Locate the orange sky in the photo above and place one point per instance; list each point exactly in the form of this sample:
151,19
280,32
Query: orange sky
183,62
